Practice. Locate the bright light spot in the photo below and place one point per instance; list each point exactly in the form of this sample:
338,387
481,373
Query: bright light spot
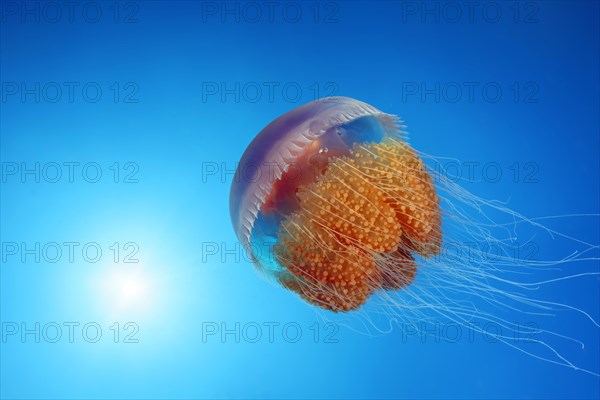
127,291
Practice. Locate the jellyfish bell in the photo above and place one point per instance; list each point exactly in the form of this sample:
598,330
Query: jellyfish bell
335,205
341,201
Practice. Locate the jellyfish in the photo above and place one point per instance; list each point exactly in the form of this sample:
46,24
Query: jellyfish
333,204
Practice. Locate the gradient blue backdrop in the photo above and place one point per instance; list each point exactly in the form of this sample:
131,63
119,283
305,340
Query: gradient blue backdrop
175,53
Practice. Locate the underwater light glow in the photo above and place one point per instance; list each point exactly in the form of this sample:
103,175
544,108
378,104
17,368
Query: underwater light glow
126,290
